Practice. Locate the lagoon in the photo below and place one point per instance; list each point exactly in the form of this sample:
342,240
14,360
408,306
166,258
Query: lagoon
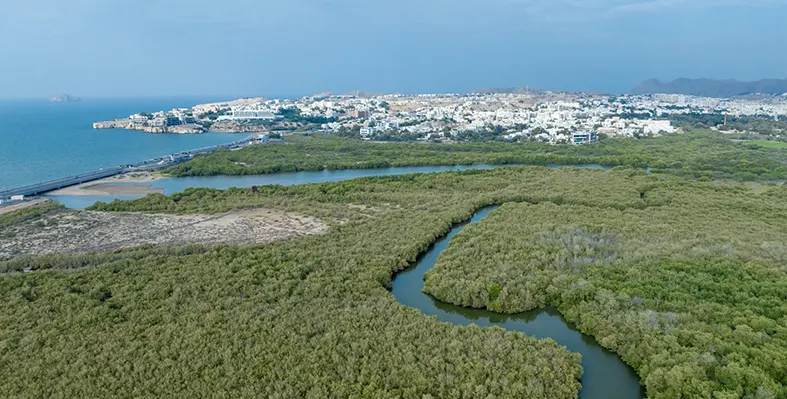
180,184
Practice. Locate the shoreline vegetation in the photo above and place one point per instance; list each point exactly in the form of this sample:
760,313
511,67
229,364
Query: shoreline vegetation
316,298
699,154
690,293
657,285
604,374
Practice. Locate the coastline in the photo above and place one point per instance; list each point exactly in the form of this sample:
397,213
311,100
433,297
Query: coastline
126,124
125,184
217,127
187,120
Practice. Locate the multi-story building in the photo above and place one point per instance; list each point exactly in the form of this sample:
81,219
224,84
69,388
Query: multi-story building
583,138
359,114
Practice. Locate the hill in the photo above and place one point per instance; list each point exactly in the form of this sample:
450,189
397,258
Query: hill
711,87
508,90
363,94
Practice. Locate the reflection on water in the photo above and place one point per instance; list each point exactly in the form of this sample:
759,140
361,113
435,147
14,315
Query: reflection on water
605,375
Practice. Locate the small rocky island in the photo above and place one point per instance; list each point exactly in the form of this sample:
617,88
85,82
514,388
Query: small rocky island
63,98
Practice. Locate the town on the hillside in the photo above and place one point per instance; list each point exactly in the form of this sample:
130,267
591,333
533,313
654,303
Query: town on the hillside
552,117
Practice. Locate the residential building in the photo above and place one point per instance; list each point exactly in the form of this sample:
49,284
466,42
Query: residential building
584,138
359,113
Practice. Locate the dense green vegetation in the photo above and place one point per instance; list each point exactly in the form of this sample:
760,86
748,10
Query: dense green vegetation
302,318
772,144
24,214
774,129
684,279
700,154
294,115
690,290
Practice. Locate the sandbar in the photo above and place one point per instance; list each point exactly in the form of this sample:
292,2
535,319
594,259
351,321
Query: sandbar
125,184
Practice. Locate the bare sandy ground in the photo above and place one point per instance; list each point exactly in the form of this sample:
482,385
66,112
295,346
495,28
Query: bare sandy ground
125,184
86,231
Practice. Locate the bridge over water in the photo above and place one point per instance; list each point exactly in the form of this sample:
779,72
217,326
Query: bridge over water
147,165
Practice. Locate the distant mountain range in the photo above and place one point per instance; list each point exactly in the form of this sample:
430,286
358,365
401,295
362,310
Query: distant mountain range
712,88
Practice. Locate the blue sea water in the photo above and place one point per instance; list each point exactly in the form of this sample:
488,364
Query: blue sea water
41,141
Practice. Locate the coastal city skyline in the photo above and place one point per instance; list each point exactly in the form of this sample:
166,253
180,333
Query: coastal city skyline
91,48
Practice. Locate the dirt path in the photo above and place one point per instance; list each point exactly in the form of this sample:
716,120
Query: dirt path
87,231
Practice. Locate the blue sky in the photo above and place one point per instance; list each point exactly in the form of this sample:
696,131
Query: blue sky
116,48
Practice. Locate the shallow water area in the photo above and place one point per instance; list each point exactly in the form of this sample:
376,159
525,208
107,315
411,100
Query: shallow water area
180,184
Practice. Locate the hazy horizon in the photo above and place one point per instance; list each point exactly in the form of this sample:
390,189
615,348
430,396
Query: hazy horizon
179,48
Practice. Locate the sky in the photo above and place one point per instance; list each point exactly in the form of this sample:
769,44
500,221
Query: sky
149,48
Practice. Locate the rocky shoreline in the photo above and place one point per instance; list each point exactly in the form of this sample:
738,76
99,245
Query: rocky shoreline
129,125
217,127
198,119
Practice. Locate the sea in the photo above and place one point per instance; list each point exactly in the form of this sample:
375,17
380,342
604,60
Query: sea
41,141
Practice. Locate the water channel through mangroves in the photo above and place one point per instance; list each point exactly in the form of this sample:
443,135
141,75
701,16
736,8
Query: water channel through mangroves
179,184
605,376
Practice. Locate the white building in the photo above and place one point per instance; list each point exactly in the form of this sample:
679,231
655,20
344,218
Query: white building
651,126
138,118
366,131
251,112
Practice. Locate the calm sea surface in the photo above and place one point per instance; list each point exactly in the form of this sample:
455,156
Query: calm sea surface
41,141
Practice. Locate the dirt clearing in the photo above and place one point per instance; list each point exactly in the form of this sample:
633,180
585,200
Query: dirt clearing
75,231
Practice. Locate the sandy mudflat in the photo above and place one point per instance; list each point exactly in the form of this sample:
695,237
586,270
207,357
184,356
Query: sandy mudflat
72,231
126,184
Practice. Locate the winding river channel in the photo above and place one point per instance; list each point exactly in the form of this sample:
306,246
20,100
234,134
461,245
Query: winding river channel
605,376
